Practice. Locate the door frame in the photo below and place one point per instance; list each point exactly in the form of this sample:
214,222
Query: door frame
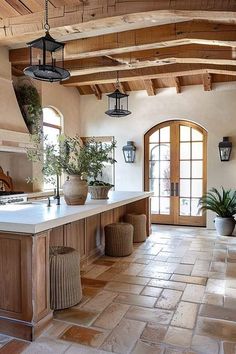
181,219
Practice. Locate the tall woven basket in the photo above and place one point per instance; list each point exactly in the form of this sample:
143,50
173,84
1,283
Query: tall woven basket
65,282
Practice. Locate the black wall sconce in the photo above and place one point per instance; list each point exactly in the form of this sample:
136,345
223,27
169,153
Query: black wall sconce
225,148
129,152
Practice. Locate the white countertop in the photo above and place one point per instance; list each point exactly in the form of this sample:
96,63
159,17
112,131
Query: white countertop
37,217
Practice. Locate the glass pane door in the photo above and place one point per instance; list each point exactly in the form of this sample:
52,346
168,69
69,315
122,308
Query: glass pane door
176,172
159,172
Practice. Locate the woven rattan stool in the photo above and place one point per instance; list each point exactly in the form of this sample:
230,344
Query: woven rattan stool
65,282
119,239
139,223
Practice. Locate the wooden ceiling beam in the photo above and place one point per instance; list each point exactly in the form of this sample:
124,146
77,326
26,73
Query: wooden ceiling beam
150,88
175,70
74,22
177,84
97,92
207,82
191,54
179,34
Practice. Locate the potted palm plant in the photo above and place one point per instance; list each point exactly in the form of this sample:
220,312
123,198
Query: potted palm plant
223,203
100,155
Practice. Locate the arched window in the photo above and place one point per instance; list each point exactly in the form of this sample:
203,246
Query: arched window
52,128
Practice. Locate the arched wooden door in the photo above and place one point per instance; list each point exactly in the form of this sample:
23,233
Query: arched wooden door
175,170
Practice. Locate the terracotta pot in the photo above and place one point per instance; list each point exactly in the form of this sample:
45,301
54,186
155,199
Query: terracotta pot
99,192
75,190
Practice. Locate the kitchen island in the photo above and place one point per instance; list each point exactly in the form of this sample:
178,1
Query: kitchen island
26,232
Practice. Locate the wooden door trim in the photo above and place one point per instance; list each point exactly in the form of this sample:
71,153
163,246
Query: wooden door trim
170,123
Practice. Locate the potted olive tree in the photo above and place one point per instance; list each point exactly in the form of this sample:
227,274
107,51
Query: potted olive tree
223,203
69,155
100,155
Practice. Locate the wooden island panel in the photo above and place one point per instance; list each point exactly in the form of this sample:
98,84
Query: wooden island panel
24,286
24,266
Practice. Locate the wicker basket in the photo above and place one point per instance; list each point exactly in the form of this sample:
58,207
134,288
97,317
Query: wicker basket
65,282
139,222
99,192
118,239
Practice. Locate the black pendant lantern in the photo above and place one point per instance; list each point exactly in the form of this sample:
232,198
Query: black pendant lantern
43,54
225,148
117,103
129,152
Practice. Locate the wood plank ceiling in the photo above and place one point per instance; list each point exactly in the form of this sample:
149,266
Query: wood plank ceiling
153,44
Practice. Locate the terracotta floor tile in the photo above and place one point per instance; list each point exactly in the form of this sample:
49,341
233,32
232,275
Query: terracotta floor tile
151,273
167,284
124,287
137,300
178,336
230,292
100,301
96,271
134,269
230,302
189,279
205,345
217,312
193,293
86,336
104,262
90,292
185,315
45,344
184,269
56,328
130,279
108,275
82,349
220,329
157,271
77,316
169,299
154,333
152,291
147,348
124,336
111,316
93,283
213,299
152,316
216,286
14,346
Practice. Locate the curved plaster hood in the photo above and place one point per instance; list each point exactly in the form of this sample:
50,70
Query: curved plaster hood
14,135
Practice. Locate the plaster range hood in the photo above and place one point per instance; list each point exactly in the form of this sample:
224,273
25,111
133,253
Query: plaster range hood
14,135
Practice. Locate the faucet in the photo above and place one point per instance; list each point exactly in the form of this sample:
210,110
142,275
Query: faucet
57,192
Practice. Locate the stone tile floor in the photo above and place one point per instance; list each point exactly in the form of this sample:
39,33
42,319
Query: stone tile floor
176,294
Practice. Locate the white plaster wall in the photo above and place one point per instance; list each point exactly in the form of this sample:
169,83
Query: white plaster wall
214,110
66,100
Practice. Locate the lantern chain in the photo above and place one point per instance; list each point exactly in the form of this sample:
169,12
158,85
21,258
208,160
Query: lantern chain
46,25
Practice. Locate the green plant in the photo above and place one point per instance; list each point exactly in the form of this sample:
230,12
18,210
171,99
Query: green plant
69,155
29,102
99,155
222,203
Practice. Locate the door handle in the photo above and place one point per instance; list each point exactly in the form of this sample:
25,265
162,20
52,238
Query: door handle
177,189
172,189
